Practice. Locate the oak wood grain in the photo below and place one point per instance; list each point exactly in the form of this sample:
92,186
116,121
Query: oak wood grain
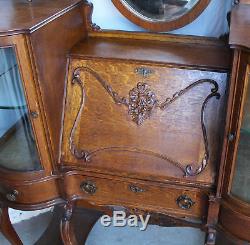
105,125
187,54
25,16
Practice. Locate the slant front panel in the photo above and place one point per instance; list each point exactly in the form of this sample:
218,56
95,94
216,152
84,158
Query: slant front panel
144,120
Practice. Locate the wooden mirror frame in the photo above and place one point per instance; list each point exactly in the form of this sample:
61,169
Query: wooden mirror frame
159,26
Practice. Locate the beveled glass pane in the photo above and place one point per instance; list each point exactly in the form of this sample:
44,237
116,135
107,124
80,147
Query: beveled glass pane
161,10
241,181
17,145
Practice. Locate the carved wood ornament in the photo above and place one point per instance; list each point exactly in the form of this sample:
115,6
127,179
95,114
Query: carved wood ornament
141,103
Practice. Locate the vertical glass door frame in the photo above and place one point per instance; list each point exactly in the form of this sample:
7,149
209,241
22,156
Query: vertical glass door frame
236,116
242,115
20,44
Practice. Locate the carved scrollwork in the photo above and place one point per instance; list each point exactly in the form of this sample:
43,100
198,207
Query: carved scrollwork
88,11
141,102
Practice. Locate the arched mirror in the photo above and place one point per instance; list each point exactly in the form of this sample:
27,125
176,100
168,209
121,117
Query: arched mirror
161,15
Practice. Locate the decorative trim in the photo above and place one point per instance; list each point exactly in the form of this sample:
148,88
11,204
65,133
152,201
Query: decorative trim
88,11
184,202
140,104
68,211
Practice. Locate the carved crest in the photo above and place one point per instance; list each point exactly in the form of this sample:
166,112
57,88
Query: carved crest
141,102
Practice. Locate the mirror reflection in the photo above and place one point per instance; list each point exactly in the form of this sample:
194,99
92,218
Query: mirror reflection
161,10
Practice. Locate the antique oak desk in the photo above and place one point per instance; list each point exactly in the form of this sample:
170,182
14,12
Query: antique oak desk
106,120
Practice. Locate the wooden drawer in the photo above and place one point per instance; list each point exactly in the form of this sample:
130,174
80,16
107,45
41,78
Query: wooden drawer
147,120
182,201
30,193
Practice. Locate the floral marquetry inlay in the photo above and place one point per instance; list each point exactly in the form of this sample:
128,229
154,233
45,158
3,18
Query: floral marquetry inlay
141,102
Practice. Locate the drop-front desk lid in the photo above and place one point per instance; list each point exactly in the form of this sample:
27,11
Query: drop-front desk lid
145,108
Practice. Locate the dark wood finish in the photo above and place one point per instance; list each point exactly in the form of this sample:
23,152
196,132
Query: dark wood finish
162,25
7,229
26,17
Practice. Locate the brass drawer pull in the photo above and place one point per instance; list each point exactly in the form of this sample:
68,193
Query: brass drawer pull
185,202
12,196
88,187
136,189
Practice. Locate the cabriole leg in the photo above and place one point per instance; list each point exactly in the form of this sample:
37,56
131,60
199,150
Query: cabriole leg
211,237
7,229
66,227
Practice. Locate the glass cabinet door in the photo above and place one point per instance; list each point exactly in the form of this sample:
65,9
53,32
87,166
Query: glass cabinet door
241,180
18,150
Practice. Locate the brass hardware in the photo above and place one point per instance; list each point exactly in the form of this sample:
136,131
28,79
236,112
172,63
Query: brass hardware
231,137
88,187
34,114
12,196
143,71
136,189
185,202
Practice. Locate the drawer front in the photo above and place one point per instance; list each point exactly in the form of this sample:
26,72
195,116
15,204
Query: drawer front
180,201
137,119
33,193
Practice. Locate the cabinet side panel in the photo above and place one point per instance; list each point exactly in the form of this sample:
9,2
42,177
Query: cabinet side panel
50,46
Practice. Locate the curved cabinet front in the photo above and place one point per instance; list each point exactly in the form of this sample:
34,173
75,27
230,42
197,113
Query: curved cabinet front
31,194
234,216
18,150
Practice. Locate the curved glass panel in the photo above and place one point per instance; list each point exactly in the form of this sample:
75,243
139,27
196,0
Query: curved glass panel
17,145
241,181
160,10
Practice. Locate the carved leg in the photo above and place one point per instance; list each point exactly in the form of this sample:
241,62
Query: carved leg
7,229
83,219
211,237
212,219
67,231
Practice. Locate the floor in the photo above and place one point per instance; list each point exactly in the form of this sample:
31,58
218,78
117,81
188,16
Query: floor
30,230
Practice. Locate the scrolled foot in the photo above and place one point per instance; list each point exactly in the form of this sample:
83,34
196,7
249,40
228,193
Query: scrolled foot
66,227
211,237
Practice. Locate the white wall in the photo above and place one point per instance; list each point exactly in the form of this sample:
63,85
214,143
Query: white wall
212,22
